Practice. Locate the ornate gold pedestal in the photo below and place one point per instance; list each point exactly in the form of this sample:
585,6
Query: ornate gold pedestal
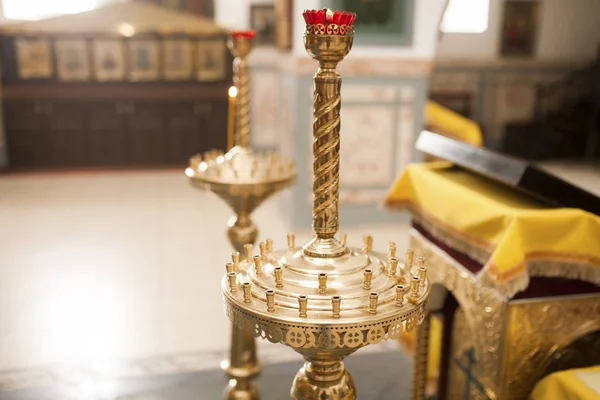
243,179
502,347
325,299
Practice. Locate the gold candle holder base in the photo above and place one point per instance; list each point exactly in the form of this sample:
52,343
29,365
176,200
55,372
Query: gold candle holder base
242,367
323,379
321,309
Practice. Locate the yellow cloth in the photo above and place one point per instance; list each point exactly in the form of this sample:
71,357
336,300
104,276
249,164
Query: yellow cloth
448,123
435,347
513,235
574,384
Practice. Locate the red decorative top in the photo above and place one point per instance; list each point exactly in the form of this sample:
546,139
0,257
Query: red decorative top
327,17
243,34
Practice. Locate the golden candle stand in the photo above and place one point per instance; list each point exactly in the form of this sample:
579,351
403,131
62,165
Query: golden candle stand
243,179
325,299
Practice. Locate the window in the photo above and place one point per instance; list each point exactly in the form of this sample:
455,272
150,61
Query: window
466,16
39,9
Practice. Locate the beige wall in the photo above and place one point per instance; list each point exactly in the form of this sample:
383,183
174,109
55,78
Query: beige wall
235,14
569,30
501,93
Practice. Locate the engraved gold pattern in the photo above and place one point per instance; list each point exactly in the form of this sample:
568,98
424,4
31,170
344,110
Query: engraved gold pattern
513,341
330,29
328,337
536,329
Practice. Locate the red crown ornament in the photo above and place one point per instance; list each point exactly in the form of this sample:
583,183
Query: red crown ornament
327,22
243,34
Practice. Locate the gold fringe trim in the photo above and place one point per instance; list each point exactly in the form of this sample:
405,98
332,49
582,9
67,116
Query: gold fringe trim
515,279
476,249
541,268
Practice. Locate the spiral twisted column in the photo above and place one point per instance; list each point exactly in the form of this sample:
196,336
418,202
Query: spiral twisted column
240,45
328,51
326,150
242,107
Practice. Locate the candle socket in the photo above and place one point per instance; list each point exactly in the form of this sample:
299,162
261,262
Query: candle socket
263,249
420,262
422,275
414,290
367,243
373,300
291,241
258,265
303,305
270,301
240,48
229,267
278,277
407,267
322,283
336,305
400,291
232,282
392,266
235,257
248,251
269,245
391,250
409,258
247,292
367,277
195,160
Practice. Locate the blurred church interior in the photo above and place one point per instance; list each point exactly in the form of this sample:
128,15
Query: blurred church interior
110,261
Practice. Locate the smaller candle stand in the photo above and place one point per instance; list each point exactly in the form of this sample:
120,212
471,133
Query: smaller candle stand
243,179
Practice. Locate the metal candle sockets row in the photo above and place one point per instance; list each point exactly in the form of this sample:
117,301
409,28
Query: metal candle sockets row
406,287
269,165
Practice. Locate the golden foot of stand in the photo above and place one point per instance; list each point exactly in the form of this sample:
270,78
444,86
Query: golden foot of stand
323,380
241,230
241,390
242,367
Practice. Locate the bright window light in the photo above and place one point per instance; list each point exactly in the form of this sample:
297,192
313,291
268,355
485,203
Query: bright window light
466,16
38,9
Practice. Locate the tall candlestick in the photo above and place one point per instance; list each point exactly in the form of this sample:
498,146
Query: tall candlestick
233,92
240,44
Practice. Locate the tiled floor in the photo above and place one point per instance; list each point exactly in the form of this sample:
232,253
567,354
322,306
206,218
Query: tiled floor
97,268
107,266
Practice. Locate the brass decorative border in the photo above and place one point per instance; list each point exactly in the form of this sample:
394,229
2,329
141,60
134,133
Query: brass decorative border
536,329
329,337
512,340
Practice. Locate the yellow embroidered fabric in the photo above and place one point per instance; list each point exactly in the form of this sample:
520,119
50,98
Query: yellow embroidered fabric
512,235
